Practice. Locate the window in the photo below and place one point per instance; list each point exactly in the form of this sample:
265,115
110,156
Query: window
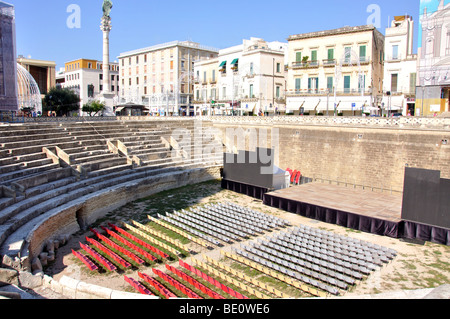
362,53
348,54
101,88
214,75
251,68
298,57
112,88
197,95
313,85
394,83
251,91
313,55
330,54
204,77
330,84
447,48
145,90
137,59
213,94
278,92
412,82
182,65
298,84
171,65
347,80
224,93
100,76
112,78
278,67
89,65
145,58
395,52
361,83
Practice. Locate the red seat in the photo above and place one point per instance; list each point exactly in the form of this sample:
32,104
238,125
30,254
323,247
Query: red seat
293,176
297,178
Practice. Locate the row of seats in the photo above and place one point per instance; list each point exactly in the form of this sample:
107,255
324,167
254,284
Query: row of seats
301,253
223,222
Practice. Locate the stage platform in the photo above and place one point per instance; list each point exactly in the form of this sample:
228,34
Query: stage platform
364,210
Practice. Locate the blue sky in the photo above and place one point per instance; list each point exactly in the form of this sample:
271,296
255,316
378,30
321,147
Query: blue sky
42,30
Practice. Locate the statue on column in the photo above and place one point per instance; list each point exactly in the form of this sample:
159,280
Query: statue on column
107,6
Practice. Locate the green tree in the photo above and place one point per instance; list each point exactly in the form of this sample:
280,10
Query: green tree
62,101
93,107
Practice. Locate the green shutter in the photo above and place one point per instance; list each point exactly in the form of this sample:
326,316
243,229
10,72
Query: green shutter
362,51
330,83
347,83
330,54
314,55
298,84
298,57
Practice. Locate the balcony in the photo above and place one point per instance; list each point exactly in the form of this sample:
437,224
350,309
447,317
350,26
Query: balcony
325,92
305,65
329,63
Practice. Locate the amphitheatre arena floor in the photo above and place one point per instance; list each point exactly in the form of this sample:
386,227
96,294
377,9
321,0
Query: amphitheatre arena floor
417,265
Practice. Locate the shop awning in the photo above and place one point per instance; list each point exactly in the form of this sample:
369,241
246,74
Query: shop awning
235,61
223,64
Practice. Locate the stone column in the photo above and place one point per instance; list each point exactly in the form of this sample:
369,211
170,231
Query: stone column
106,96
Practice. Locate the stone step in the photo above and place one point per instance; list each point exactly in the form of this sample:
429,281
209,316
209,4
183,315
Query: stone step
88,148
38,162
5,202
30,131
38,148
31,157
105,163
153,156
136,147
89,154
30,137
7,160
8,168
11,176
42,142
93,158
41,189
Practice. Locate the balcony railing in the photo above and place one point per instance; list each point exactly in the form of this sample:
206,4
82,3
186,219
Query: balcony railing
325,92
329,62
305,65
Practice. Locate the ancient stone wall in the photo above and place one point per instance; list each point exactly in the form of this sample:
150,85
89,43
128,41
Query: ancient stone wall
365,156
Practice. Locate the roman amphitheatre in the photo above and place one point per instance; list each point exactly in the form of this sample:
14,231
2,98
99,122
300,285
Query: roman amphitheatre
125,208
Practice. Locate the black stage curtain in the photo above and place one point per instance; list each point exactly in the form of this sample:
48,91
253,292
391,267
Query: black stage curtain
413,230
246,189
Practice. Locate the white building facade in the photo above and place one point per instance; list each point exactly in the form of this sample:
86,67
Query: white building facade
248,79
433,70
400,68
85,77
161,77
335,72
